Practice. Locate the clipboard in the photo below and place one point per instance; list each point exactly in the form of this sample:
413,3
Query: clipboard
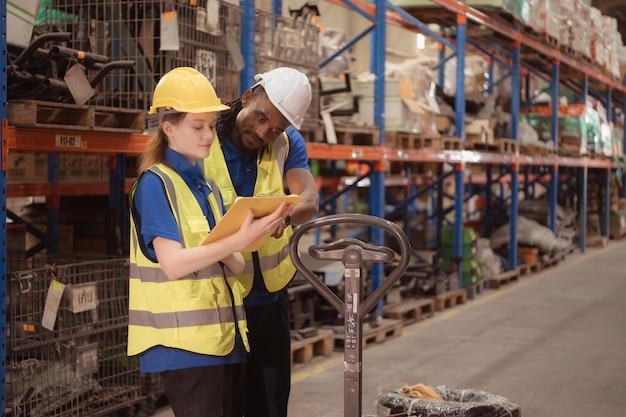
234,217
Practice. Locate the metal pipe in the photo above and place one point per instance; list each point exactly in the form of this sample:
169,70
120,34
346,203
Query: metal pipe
108,67
37,42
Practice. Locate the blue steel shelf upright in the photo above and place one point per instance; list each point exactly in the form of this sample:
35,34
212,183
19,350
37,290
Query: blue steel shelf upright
3,206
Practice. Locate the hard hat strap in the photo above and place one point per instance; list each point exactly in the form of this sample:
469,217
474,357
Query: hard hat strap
163,111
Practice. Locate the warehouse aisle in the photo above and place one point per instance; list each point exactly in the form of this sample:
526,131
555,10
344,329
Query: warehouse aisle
553,343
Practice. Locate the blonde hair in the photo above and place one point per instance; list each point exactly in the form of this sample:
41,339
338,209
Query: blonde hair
154,152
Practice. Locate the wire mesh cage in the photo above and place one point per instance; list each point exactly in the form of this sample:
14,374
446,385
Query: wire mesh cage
284,41
123,50
67,339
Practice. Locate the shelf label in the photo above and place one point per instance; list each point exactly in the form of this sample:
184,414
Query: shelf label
69,141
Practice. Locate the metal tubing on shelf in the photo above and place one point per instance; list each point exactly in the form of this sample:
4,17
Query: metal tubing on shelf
457,249
553,192
513,212
459,102
247,44
582,197
607,202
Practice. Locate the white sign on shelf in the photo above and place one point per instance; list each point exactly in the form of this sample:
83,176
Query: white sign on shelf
69,141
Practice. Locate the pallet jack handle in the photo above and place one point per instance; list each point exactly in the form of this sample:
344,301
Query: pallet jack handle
333,251
353,253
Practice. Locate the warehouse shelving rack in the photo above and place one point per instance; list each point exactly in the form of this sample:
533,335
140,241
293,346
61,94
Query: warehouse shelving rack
509,39
117,145
379,14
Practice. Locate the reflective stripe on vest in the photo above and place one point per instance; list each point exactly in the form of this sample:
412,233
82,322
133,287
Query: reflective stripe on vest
197,312
276,266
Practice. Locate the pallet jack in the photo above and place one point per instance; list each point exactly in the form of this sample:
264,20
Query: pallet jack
354,253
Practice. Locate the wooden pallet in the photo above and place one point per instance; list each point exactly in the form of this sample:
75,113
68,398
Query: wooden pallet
43,114
400,139
451,143
303,351
548,261
450,299
410,140
357,135
568,49
617,234
506,145
581,56
410,311
527,269
542,36
434,142
477,288
386,329
597,241
536,150
550,40
504,278
477,144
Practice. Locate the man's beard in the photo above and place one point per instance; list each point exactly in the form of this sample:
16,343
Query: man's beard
238,142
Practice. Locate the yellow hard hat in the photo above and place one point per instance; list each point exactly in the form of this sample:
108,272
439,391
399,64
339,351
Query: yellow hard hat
186,90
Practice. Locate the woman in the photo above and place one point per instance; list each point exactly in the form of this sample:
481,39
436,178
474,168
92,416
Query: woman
186,319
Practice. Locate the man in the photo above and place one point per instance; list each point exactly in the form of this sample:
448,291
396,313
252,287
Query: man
262,154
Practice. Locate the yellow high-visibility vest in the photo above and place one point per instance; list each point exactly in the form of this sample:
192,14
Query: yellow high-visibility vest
197,313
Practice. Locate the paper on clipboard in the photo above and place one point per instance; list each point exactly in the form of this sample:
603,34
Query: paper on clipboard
234,217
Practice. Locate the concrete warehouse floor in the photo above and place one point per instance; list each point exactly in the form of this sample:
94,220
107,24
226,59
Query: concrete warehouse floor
553,342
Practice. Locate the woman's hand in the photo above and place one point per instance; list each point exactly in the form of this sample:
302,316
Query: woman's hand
253,229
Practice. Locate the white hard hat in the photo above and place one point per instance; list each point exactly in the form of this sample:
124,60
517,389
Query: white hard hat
289,91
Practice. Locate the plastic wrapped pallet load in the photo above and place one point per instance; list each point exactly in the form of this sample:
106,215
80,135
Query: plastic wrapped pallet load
457,402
